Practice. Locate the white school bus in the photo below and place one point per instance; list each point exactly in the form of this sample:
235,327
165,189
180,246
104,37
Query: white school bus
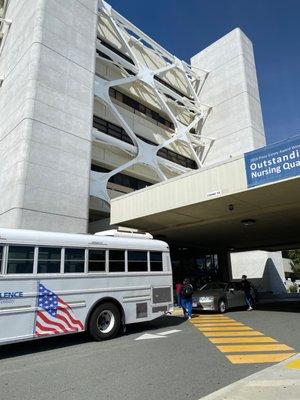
58,283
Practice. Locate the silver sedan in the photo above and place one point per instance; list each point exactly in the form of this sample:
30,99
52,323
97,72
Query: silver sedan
219,296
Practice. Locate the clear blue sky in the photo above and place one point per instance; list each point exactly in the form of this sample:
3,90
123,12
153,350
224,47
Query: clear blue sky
184,27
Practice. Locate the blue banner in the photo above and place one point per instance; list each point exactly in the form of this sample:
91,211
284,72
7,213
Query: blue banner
274,162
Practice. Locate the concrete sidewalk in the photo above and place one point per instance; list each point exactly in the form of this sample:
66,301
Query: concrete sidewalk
281,381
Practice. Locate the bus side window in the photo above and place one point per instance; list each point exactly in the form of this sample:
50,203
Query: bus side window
1,258
20,260
116,261
74,260
137,261
156,263
49,260
96,261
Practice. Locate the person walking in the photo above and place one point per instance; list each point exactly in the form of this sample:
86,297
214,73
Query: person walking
178,289
246,288
187,298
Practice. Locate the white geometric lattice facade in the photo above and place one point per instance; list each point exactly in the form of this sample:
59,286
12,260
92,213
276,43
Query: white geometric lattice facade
172,86
120,102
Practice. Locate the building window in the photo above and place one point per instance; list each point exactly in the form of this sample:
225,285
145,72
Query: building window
130,102
111,129
20,260
116,260
1,258
49,260
74,260
156,263
115,50
96,261
119,133
127,58
137,261
122,179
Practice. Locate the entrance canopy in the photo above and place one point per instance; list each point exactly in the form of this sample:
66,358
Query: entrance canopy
214,209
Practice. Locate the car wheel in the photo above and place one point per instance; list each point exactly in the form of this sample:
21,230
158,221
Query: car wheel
105,322
222,307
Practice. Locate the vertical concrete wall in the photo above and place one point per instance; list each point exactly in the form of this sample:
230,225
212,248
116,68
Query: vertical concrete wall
46,103
231,88
264,269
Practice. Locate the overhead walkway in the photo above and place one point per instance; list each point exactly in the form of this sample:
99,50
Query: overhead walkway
213,208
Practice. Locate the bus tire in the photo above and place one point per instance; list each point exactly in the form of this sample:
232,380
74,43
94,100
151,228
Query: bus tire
105,321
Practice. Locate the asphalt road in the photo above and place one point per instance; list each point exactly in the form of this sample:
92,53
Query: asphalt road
183,365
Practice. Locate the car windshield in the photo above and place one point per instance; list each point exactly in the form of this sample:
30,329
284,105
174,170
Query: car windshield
214,285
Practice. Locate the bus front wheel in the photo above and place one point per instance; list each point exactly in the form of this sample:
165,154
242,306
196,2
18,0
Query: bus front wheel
105,321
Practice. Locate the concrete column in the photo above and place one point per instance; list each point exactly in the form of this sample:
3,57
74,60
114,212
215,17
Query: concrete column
224,266
231,89
46,103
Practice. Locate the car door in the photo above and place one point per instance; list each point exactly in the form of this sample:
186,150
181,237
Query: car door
240,295
233,295
230,295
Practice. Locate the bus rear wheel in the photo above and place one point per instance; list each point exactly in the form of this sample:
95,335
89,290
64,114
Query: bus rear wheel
105,321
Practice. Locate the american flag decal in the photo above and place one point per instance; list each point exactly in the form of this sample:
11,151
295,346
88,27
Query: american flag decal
54,316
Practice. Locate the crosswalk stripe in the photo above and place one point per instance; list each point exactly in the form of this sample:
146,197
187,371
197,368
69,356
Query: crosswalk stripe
250,339
227,333
198,321
219,324
253,348
211,318
258,358
232,336
233,328
215,318
217,321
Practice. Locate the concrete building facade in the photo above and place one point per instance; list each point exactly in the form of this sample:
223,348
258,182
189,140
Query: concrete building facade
92,108
96,109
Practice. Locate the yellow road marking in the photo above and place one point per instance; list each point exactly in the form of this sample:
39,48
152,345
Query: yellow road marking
233,328
217,321
249,339
225,321
212,317
177,311
258,358
294,364
246,348
218,324
224,334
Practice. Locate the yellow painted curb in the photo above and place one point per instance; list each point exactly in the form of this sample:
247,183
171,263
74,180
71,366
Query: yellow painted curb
294,364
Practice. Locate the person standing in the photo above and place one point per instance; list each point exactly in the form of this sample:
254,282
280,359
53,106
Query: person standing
246,287
187,298
178,289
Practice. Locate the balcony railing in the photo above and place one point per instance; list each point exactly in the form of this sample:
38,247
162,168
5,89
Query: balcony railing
119,133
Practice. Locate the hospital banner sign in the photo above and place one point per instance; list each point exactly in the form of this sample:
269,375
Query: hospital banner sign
274,162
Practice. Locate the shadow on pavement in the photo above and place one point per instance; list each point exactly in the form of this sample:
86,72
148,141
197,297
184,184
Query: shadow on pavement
65,341
159,323
40,345
292,307
282,306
